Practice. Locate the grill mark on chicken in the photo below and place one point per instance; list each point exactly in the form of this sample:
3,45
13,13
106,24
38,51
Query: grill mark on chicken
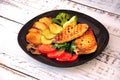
70,33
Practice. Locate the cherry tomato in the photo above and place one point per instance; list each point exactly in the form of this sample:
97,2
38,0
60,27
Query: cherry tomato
55,54
46,48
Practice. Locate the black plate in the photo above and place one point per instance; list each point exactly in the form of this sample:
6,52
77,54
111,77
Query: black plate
100,32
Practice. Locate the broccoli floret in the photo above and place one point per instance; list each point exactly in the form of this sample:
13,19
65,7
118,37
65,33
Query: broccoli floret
61,18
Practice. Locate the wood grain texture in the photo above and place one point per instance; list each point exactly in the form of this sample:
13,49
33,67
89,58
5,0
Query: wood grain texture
13,74
15,13
107,5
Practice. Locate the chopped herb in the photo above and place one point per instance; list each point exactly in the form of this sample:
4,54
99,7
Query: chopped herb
68,46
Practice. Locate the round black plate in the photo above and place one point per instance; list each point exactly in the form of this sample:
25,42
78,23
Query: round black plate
100,32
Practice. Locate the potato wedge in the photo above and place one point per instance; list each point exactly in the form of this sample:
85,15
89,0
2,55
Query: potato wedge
55,29
48,34
34,30
45,40
40,25
46,20
33,37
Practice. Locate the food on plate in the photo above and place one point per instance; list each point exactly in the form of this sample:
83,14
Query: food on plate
86,44
61,38
33,37
40,25
47,34
46,20
67,57
40,33
44,40
70,32
61,18
46,48
71,22
54,53
32,48
34,30
55,28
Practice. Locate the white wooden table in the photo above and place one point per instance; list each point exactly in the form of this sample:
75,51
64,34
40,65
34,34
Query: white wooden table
15,64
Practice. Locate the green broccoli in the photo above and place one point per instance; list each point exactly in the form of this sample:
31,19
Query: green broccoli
61,18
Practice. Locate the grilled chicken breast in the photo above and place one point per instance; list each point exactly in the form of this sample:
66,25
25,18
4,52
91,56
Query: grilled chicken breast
70,33
86,43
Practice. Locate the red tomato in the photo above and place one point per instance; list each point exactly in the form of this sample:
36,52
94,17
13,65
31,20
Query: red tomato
67,57
64,57
46,48
55,54
58,55
74,57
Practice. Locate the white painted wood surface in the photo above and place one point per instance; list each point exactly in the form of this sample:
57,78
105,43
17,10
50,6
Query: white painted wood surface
107,5
15,64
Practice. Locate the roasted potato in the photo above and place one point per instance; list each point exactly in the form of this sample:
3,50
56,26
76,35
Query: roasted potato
40,25
33,38
46,20
55,29
34,30
48,34
45,40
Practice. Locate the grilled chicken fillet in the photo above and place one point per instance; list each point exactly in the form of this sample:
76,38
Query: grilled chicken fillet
70,32
86,44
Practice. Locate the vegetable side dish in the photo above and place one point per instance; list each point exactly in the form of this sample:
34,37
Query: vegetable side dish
61,38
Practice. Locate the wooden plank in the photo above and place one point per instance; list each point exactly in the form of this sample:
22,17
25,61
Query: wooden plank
11,74
23,10
107,5
28,9
92,70
104,67
9,56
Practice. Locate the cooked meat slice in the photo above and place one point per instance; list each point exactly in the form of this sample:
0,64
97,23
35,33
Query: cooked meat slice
86,44
70,33
32,48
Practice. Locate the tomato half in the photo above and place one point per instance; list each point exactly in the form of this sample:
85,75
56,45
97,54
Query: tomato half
55,54
46,48
74,57
64,57
67,57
